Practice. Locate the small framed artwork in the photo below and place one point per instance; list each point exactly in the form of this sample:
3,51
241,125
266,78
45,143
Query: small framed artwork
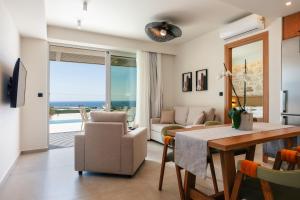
187,82
201,80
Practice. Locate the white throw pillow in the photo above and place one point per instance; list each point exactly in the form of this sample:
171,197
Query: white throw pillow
210,115
200,119
181,113
195,112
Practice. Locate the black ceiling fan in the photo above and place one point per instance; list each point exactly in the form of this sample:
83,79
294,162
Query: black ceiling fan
162,31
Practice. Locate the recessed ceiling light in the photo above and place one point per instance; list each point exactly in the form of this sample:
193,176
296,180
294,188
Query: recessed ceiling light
289,3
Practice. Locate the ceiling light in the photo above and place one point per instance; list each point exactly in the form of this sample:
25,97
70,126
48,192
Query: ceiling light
289,3
85,6
163,32
79,24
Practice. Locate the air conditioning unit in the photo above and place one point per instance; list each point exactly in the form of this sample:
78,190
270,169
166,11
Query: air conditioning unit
247,24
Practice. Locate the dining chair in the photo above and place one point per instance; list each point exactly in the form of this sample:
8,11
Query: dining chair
254,181
84,117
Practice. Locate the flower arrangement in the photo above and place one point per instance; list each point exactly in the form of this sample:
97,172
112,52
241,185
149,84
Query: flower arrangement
235,114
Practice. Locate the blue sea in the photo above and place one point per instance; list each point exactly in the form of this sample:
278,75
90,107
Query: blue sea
91,104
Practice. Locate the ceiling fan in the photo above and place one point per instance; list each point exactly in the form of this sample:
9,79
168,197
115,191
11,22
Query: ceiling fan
162,31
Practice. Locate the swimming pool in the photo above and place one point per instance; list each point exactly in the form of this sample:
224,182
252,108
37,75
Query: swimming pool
64,121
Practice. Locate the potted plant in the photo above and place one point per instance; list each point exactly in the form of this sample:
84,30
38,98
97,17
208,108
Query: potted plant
241,119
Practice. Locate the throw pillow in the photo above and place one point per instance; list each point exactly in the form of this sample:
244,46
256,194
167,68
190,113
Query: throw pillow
210,115
167,117
200,119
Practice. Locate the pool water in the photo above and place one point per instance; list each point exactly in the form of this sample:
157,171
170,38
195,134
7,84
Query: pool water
64,121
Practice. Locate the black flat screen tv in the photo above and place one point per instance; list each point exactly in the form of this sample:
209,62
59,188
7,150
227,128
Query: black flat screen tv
17,85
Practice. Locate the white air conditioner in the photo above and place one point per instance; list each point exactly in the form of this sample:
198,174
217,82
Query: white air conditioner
247,24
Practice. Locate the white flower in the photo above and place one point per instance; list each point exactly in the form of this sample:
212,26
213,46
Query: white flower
228,73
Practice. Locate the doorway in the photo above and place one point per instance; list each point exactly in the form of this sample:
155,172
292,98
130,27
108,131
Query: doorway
85,80
250,54
77,85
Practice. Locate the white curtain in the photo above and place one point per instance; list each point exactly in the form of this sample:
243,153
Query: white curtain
142,118
155,85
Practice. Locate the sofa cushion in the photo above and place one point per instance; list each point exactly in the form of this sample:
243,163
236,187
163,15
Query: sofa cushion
195,112
159,127
200,119
210,115
181,113
100,116
167,117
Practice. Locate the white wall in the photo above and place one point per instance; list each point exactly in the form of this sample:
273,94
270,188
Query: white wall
34,126
207,51
9,117
96,40
204,52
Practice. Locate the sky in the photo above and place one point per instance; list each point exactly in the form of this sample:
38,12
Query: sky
86,82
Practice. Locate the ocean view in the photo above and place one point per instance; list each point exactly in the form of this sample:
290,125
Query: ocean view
91,104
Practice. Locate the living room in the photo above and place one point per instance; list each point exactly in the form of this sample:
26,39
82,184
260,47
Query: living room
179,50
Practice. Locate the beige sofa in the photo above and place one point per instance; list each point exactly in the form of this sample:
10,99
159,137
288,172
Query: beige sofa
184,116
108,147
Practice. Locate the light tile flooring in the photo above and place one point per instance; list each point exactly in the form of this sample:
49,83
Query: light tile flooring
50,175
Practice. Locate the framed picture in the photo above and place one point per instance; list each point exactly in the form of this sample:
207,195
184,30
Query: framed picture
187,82
201,80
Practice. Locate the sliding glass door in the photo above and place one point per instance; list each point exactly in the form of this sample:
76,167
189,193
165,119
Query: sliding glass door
123,77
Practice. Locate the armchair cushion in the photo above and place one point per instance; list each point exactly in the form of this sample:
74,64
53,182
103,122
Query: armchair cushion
97,116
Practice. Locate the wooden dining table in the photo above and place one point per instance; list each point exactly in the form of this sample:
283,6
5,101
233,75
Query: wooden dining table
227,146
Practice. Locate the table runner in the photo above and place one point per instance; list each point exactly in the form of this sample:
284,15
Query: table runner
191,146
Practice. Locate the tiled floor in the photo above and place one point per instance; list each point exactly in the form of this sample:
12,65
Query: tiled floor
62,140
50,175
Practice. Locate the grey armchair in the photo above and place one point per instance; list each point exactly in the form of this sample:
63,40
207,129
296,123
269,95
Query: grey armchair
108,147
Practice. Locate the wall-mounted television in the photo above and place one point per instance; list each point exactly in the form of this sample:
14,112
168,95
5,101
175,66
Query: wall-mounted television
17,85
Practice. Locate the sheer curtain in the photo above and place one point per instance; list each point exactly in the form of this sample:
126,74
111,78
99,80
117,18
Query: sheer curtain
142,117
155,84
149,88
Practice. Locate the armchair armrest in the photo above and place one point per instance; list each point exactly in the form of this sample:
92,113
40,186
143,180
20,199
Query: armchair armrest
133,149
79,151
155,120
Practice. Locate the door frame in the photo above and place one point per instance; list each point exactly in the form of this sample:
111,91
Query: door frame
228,61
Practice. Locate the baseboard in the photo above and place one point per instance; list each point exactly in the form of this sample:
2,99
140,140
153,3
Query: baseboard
9,171
34,151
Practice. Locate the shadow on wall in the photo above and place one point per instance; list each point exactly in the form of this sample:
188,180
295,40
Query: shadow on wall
5,75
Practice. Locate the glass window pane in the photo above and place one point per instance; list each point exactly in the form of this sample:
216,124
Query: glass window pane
123,86
74,86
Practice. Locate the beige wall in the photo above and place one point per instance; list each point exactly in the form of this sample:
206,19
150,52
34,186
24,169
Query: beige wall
34,126
9,117
207,51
